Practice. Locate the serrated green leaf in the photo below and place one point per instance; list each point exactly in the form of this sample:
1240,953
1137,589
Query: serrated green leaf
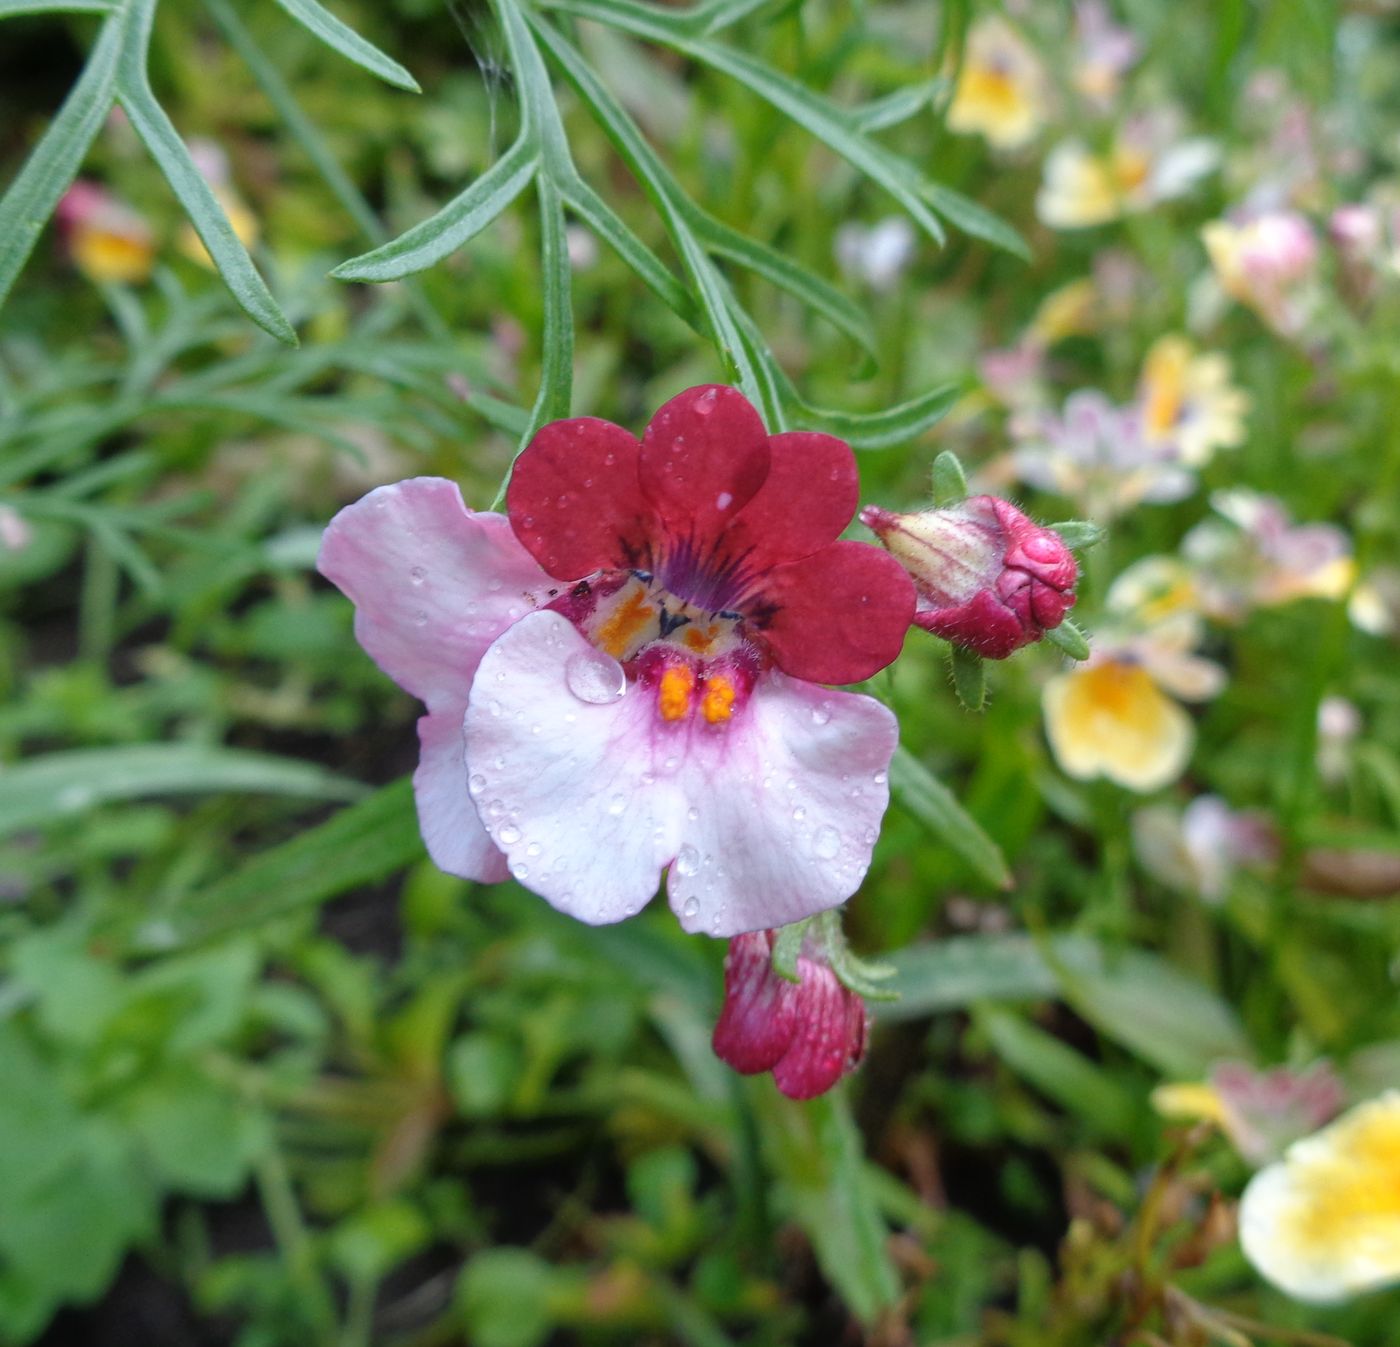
969,678
930,801
360,845
443,232
55,160
1070,639
948,479
172,157
321,23
57,786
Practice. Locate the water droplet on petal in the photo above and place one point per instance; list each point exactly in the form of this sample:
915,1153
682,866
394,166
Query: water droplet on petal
508,834
533,849
821,714
687,862
692,813
691,910
826,845
417,574
520,870
476,783
724,500
617,805
880,778
420,618
799,814
594,677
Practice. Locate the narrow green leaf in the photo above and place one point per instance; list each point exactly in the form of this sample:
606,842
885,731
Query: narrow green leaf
320,22
930,801
969,678
60,785
465,216
360,845
819,295
54,161
954,973
881,113
555,396
1070,639
949,480
172,156
10,9
973,219
879,430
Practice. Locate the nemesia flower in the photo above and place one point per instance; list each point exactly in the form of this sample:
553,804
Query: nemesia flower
1154,589
1266,263
1366,236
1262,1112
1096,455
878,254
1323,1223
1198,850
1254,556
106,238
1002,92
1146,164
1188,400
1069,311
987,577
622,677
212,163
1115,715
1104,52
15,531
808,1034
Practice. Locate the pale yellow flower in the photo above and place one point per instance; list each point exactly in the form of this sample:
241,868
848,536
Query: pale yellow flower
1266,263
1189,401
1001,92
107,240
1155,589
1070,311
1324,1223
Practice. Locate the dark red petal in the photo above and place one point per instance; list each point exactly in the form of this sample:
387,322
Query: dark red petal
756,1025
808,497
828,1038
575,502
704,455
984,624
839,615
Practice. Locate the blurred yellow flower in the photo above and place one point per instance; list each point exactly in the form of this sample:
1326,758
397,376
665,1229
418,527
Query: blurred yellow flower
1188,400
1109,718
213,164
1155,589
107,240
1070,311
1001,91
1324,1223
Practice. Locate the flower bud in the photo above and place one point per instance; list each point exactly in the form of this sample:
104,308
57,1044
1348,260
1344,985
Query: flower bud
808,1033
987,577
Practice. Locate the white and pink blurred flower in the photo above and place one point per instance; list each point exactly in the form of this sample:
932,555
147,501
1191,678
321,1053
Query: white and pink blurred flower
1198,849
1268,263
623,676
106,238
877,254
1104,52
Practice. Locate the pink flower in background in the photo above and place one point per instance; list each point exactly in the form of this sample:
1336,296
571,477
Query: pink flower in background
623,676
808,1033
1266,262
1104,52
107,240
987,577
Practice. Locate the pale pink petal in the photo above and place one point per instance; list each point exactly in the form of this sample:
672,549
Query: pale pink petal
572,784
451,830
783,805
433,583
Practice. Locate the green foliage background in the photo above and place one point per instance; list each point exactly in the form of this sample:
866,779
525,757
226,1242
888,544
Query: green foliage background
270,1078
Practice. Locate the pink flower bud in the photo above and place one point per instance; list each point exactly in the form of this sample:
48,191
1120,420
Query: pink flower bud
987,577
808,1033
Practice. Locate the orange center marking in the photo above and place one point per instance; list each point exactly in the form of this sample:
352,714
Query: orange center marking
618,632
673,696
700,640
717,704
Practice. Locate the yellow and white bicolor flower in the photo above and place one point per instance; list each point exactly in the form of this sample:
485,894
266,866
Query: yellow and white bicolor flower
1002,92
1118,715
1323,1224
1189,400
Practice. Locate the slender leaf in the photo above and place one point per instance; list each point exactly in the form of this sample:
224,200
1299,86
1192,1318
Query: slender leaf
173,158
1069,639
969,678
54,161
930,801
465,216
881,113
61,785
973,219
360,845
948,479
10,9
318,20
554,399
879,430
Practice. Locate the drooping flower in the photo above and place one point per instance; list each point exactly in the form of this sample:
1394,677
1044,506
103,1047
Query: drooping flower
1323,1223
623,676
988,578
878,254
1002,92
1198,850
212,163
1188,401
1266,262
1262,1112
1148,163
106,238
1116,715
808,1033
1098,456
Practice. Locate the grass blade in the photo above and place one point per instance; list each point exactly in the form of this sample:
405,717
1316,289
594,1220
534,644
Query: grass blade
321,23
929,800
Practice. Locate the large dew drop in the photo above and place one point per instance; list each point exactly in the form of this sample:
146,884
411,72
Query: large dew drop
826,845
594,677
687,860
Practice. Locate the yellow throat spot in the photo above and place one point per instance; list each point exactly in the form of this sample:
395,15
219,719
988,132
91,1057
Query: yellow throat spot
1164,379
673,696
717,705
625,624
993,91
